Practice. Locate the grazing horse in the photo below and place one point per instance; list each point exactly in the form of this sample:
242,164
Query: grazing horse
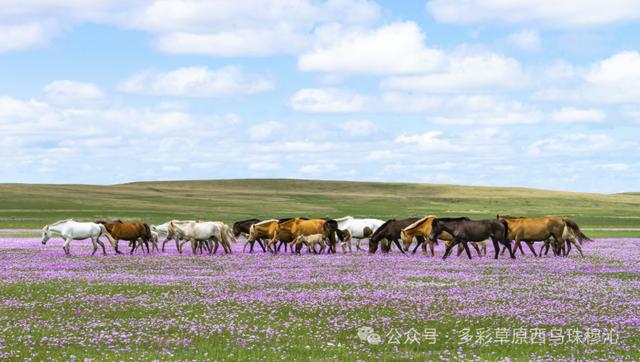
244,228
130,231
465,231
390,231
422,228
359,228
73,230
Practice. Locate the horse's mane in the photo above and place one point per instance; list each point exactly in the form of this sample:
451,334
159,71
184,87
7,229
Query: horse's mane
448,219
60,222
418,223
248,220
382,227
510,217
344,218
266,222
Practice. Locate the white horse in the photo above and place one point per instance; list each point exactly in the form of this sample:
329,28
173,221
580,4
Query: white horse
72,230
359,228
162,230
201,233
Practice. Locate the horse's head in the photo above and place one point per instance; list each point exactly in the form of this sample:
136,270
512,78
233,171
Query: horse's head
407,238
45,234
436,229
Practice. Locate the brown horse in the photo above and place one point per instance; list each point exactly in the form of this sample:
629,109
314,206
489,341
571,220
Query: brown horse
281,232
422,228
130,231
327,227
530,230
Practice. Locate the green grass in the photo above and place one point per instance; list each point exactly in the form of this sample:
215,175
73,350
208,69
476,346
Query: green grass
32,206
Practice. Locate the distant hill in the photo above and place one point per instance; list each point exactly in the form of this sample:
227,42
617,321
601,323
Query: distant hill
30,206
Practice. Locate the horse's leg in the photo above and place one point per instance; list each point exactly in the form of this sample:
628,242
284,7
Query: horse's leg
504,250
466,248
95,246
65,247
104,251
261,245
460,249
431,242
449,247
507,243
530,245
395,241
496,247
475,246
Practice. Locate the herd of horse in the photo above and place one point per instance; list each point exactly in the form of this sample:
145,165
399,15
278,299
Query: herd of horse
556,233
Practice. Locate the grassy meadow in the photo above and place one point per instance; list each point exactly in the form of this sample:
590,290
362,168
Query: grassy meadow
32,206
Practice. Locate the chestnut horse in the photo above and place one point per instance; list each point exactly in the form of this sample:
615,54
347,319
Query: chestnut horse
244,228
130,231
327,227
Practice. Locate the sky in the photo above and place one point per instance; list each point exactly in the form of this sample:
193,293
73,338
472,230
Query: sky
531,93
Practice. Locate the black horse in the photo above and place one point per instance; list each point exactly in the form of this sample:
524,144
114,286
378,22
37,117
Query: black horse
243,227
465,231
422,240
390,230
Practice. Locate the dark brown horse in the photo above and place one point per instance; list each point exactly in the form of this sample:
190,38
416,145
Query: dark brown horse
466,231
130,231
390,231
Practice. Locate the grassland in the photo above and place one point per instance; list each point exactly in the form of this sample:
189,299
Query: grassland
31,206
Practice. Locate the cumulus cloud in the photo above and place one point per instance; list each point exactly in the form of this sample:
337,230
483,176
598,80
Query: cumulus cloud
547,12
464,73
431,140
575,115
196,82
22,36
395,48
572,144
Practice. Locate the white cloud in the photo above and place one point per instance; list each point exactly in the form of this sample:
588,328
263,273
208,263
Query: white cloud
359,128
575,115
328,100
317,169
16,37
68,91
249,28
549,12
528,40
396,48
613,167
615,79
431,140
196,82
465,73
264,130
571,144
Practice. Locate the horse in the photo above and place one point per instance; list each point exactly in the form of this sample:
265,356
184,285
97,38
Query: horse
280,232
244,228
258,231
162,230
311,241
130,231
201,233
359,228
422,228
153,241
73,230
327,227
346,240
389,231
529,230
471,230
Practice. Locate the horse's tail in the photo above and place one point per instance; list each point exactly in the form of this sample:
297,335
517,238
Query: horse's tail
576,230
229,233
107,234
147,232
506,229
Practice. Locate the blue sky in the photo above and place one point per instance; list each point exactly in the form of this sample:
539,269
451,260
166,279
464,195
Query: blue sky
521,93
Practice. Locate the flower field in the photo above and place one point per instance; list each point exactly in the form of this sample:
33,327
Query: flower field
167,306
